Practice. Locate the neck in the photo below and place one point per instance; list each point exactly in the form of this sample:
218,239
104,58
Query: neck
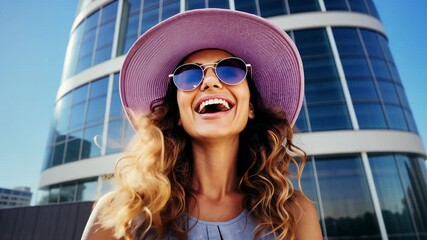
215,167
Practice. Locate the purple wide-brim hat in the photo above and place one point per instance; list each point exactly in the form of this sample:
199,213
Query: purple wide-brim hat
277,69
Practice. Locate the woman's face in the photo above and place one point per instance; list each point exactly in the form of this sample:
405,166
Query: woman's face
229,112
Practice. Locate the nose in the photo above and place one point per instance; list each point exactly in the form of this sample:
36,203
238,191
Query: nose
210,80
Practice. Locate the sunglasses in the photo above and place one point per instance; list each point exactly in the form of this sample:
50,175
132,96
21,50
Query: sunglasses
230,71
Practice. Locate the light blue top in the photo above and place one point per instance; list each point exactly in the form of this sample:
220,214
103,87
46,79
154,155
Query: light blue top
240,227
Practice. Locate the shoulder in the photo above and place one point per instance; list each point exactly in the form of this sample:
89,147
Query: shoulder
307,220
93,229
302,203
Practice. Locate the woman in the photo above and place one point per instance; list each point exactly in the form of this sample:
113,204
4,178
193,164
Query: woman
213,148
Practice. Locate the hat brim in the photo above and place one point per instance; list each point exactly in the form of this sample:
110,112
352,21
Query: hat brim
277,69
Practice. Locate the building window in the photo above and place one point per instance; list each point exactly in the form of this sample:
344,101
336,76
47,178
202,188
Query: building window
78,122
297,6
150,14
336,5
326,106
139,16
248,6
401,187
218,4
170,8
91,42
370,116
347,204
119,129
81,190
373,81
86,190
329,117
270,8
362,6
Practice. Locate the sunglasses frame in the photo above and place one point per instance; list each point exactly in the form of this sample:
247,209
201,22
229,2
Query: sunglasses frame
205,66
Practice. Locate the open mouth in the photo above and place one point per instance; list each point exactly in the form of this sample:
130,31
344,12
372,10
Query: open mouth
213,106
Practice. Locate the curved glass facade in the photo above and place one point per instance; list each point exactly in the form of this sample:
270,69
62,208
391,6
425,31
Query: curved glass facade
81,125
376,91
352,84
91,42
339,184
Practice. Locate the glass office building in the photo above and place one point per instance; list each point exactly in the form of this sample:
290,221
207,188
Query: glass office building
366,167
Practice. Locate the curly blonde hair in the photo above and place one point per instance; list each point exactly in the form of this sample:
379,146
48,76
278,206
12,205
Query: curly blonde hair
153,190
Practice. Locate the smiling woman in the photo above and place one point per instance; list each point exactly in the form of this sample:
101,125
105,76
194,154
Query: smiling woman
214,145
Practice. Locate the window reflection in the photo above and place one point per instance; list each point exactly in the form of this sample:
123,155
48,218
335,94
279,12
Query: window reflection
92,21
301,124
388,92
370,116
77,112
81,190
86,190
48,157
393,202
323,91
170,8
58,154
218,4
53,194
373,79
320,68
371,43
96,110
269,8
384,46
77,116
89,148
414,186
119,134
80,94
312,42
325,100
411,122
308,182
336,5
372,9
70,62
347,40
329,117
73,147
99,87
393,73
194,4
363,90
248,6
67,192
297,6
91,42
402,96
116,110
62,114
380,69
358,6
356,67
150,15
347,203
395,117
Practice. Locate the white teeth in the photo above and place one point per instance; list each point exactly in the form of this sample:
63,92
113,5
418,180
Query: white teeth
214,101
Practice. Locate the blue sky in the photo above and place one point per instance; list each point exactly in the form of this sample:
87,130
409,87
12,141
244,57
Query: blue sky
33,40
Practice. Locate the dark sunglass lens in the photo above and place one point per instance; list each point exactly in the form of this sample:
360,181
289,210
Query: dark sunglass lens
231,71
188,77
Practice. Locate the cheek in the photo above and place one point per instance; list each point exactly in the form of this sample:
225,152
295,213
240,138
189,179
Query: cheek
184,100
